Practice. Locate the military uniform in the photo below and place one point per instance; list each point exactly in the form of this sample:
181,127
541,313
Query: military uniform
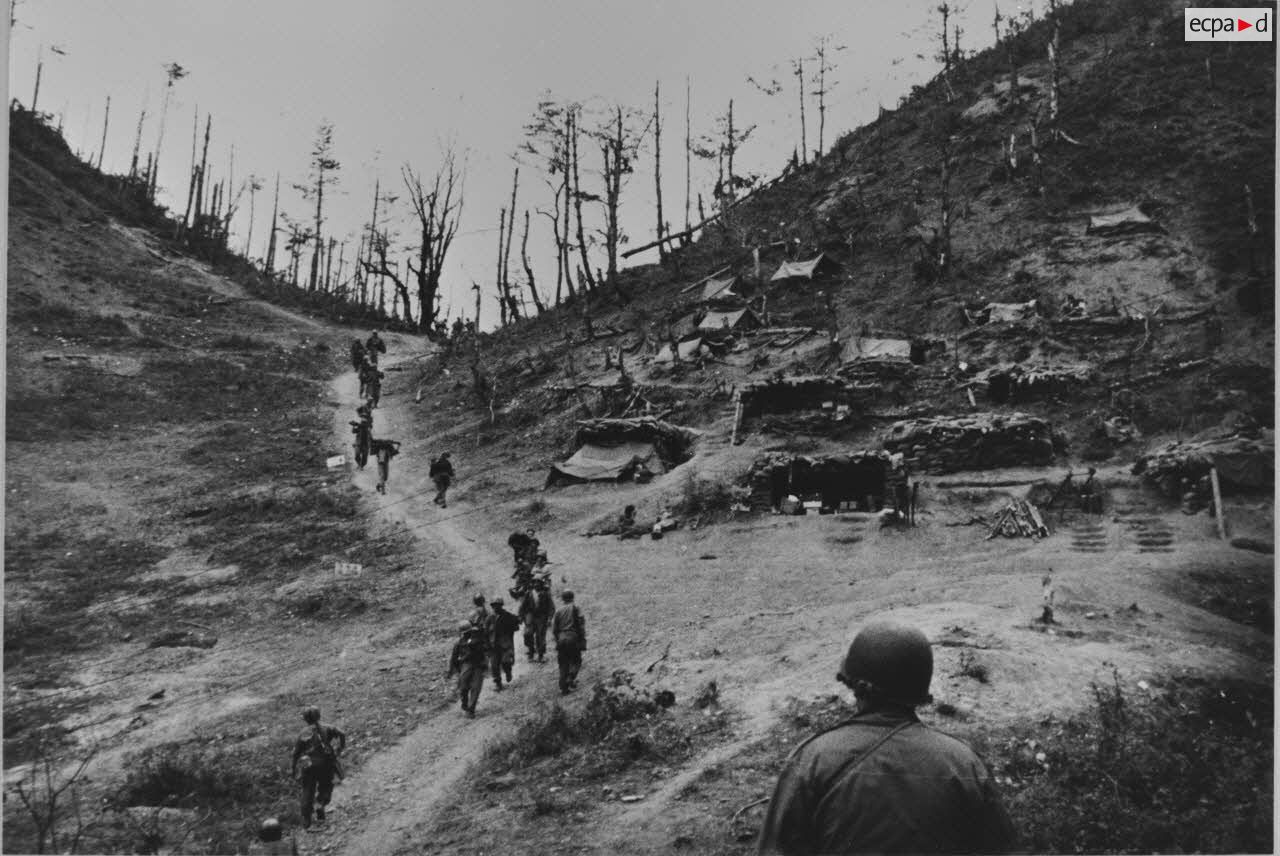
570,632
536,610
468,660
315,751
502,627
883,782
441,474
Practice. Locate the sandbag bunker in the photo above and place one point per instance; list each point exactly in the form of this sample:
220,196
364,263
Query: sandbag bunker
857,481
621,450
981,441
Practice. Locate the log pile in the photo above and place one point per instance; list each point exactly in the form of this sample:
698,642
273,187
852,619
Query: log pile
1019,519
981,441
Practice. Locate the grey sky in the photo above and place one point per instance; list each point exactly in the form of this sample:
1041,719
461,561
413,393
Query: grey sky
399,79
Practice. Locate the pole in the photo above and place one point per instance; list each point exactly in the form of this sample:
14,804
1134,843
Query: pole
1217,503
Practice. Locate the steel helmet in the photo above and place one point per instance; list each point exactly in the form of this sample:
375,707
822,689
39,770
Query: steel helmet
464,626
311,714
894,659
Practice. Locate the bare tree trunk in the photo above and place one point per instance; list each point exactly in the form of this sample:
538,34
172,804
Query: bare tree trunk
319,242
200,183
191,185
106,116
506,255
271,239
35,95
822,96
688,151
657,168
137,145
249,233
337,278
731,148
502,297
328,265
804,143
585,280
528,269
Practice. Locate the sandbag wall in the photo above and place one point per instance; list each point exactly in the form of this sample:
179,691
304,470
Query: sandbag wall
981,441
833,478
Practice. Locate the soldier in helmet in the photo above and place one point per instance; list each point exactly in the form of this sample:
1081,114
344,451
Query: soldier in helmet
467,661
316,754
882,781
570,632
502,627
271,840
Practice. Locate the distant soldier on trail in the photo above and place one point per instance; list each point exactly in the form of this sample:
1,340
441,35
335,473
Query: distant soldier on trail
536,609
316,753
374,346
502,642
570,632
384,451
519,542
468,661
357,354
371,383
479,616
363,429
441,473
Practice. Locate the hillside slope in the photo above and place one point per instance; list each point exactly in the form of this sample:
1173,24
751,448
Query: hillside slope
168,433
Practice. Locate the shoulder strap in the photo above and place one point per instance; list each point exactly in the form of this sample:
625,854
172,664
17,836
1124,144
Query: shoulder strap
871,750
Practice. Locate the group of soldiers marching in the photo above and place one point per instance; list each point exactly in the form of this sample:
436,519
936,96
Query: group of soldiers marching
364,359
486,640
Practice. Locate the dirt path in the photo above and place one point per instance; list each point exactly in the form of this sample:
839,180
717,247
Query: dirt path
393,792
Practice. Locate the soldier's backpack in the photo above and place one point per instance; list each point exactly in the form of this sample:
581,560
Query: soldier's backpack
320,752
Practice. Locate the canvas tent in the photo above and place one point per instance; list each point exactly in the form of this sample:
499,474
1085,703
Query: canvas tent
820,265
1130,221
606,463
719,289
867,347
689,350
738,319
619,449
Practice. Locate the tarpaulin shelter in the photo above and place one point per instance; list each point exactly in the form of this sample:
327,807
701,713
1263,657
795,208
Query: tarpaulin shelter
618,449
997,312
738,319
606,463
1130,221
719,289
869,347
819,266
688,350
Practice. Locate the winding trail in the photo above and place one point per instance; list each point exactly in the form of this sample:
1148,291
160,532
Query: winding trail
395,790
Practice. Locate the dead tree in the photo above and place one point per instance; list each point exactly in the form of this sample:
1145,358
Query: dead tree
438,211
254,185
528,269
657,170
945,11
137,142
322,162
380,264
506,253
269,262
546,140
688,151
35,94
585,280
822,53
174,72
798,70
618,145
106,116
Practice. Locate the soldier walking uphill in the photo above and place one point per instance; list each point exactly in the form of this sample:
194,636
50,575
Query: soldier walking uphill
384,451
502,627
570,632
315,763
536,609
371,383
468,662
882,782
441,473
357,354
374,346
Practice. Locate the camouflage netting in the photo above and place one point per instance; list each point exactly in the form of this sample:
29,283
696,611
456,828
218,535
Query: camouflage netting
834,479
981,441
1243,464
